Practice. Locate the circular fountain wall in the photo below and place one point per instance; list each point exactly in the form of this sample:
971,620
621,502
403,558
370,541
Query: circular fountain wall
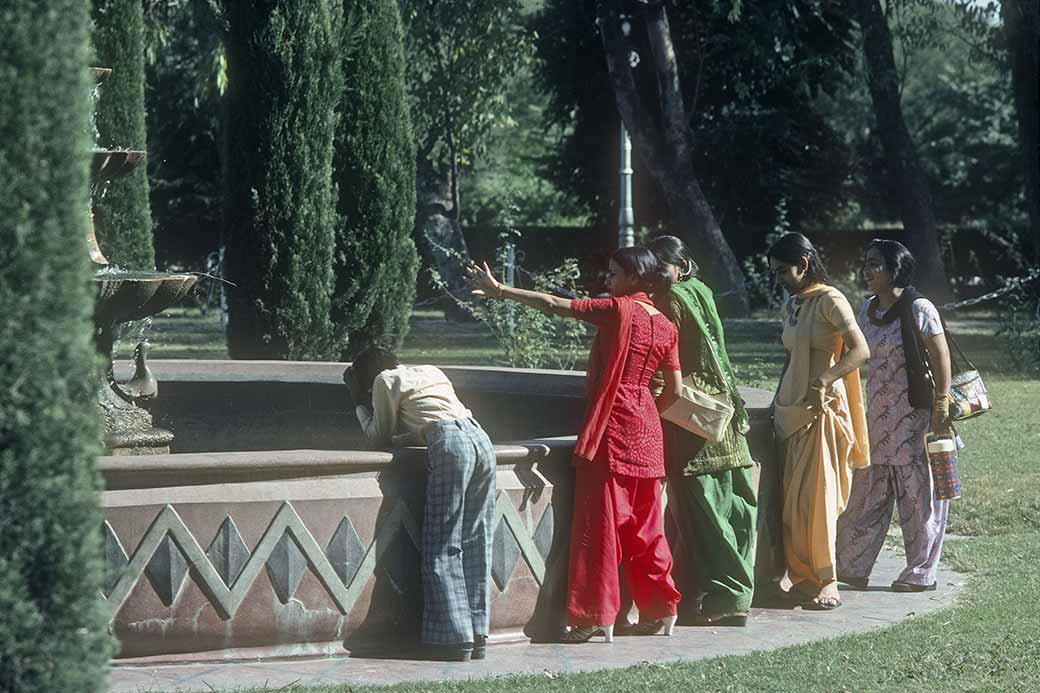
272,531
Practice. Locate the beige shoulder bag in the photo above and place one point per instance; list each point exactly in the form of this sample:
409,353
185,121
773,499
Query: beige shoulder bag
700,413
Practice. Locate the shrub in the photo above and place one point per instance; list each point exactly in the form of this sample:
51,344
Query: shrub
528,337
376,260
1019,321
123,218
284,83
53,630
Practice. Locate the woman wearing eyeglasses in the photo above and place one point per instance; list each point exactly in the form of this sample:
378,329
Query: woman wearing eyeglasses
907,395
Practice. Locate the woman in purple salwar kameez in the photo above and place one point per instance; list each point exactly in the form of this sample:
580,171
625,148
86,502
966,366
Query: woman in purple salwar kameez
907,396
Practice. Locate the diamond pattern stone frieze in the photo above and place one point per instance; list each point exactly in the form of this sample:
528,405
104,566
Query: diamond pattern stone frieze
505,552
226,570
115,559
543,534
166,570
346,551
285,567
228,552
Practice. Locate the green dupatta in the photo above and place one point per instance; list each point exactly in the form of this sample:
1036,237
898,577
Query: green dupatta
698,304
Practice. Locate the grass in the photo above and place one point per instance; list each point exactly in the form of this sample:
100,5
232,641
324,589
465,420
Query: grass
990,640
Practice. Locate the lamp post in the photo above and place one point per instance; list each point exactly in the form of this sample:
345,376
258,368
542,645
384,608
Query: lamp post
626,216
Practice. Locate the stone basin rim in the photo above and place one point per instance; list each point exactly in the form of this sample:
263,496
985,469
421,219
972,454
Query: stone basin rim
492,379
204,468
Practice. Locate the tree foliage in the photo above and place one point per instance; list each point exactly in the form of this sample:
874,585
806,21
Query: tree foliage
376,260
186,75
958,104
123,218
747,84
284,85
461,55
53,634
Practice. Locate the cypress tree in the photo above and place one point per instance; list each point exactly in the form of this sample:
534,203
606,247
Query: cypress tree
284,83
123,219
376,260
53,634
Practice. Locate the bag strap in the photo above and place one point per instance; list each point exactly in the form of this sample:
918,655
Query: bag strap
953,342
923,351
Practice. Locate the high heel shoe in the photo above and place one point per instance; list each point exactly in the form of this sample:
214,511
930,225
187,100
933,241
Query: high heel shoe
669,623
582,634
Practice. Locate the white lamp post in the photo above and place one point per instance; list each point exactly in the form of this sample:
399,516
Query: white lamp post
626,216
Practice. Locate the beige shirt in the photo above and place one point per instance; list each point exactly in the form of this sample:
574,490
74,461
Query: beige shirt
405,400
815,323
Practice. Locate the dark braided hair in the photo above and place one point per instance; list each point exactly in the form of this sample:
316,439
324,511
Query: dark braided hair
792,247
899,261
642,265
672,251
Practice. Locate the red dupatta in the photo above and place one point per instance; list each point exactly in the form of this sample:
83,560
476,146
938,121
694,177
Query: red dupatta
606,364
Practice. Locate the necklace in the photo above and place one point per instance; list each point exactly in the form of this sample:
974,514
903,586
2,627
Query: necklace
873,308
793,308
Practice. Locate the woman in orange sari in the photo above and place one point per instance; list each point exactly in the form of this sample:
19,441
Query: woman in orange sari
819,418
619,455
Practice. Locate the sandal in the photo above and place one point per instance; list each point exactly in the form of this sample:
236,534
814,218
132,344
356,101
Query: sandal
648,627
582,634
856,583
900,586
738,619
821,604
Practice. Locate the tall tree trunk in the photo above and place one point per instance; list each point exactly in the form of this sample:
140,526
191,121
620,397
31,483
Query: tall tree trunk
1021,29
901,157
665,150
438,237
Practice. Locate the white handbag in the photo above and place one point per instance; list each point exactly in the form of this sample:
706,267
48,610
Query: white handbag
702,414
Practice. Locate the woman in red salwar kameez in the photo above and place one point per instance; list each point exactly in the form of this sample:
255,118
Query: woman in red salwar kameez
619,456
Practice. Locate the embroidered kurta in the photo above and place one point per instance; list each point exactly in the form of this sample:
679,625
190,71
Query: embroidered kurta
896,429
617,517
633,440
899,474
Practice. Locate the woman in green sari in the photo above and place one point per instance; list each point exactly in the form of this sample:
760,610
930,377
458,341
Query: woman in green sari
710,488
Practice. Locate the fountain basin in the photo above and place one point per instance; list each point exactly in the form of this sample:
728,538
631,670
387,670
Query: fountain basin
271,531
125,296
108,164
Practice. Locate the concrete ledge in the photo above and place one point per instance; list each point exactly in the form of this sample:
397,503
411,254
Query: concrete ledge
190,469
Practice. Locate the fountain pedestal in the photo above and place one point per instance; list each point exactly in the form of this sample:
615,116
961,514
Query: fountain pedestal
124,297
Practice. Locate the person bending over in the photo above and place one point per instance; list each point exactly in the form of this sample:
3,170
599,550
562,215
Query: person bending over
417,405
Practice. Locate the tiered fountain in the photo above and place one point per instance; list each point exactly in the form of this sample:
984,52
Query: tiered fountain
123,297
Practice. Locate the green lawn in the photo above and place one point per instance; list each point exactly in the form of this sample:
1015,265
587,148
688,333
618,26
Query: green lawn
989,641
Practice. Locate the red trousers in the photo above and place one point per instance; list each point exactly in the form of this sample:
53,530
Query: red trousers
617,520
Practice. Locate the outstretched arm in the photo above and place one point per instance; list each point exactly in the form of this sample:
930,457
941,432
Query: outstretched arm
485,284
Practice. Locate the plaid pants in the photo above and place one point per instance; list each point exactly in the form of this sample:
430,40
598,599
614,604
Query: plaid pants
456,534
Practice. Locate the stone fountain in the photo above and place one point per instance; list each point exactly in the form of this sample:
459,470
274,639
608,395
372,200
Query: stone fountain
123,297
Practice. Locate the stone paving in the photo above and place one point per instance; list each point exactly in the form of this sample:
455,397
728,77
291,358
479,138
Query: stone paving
768,629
